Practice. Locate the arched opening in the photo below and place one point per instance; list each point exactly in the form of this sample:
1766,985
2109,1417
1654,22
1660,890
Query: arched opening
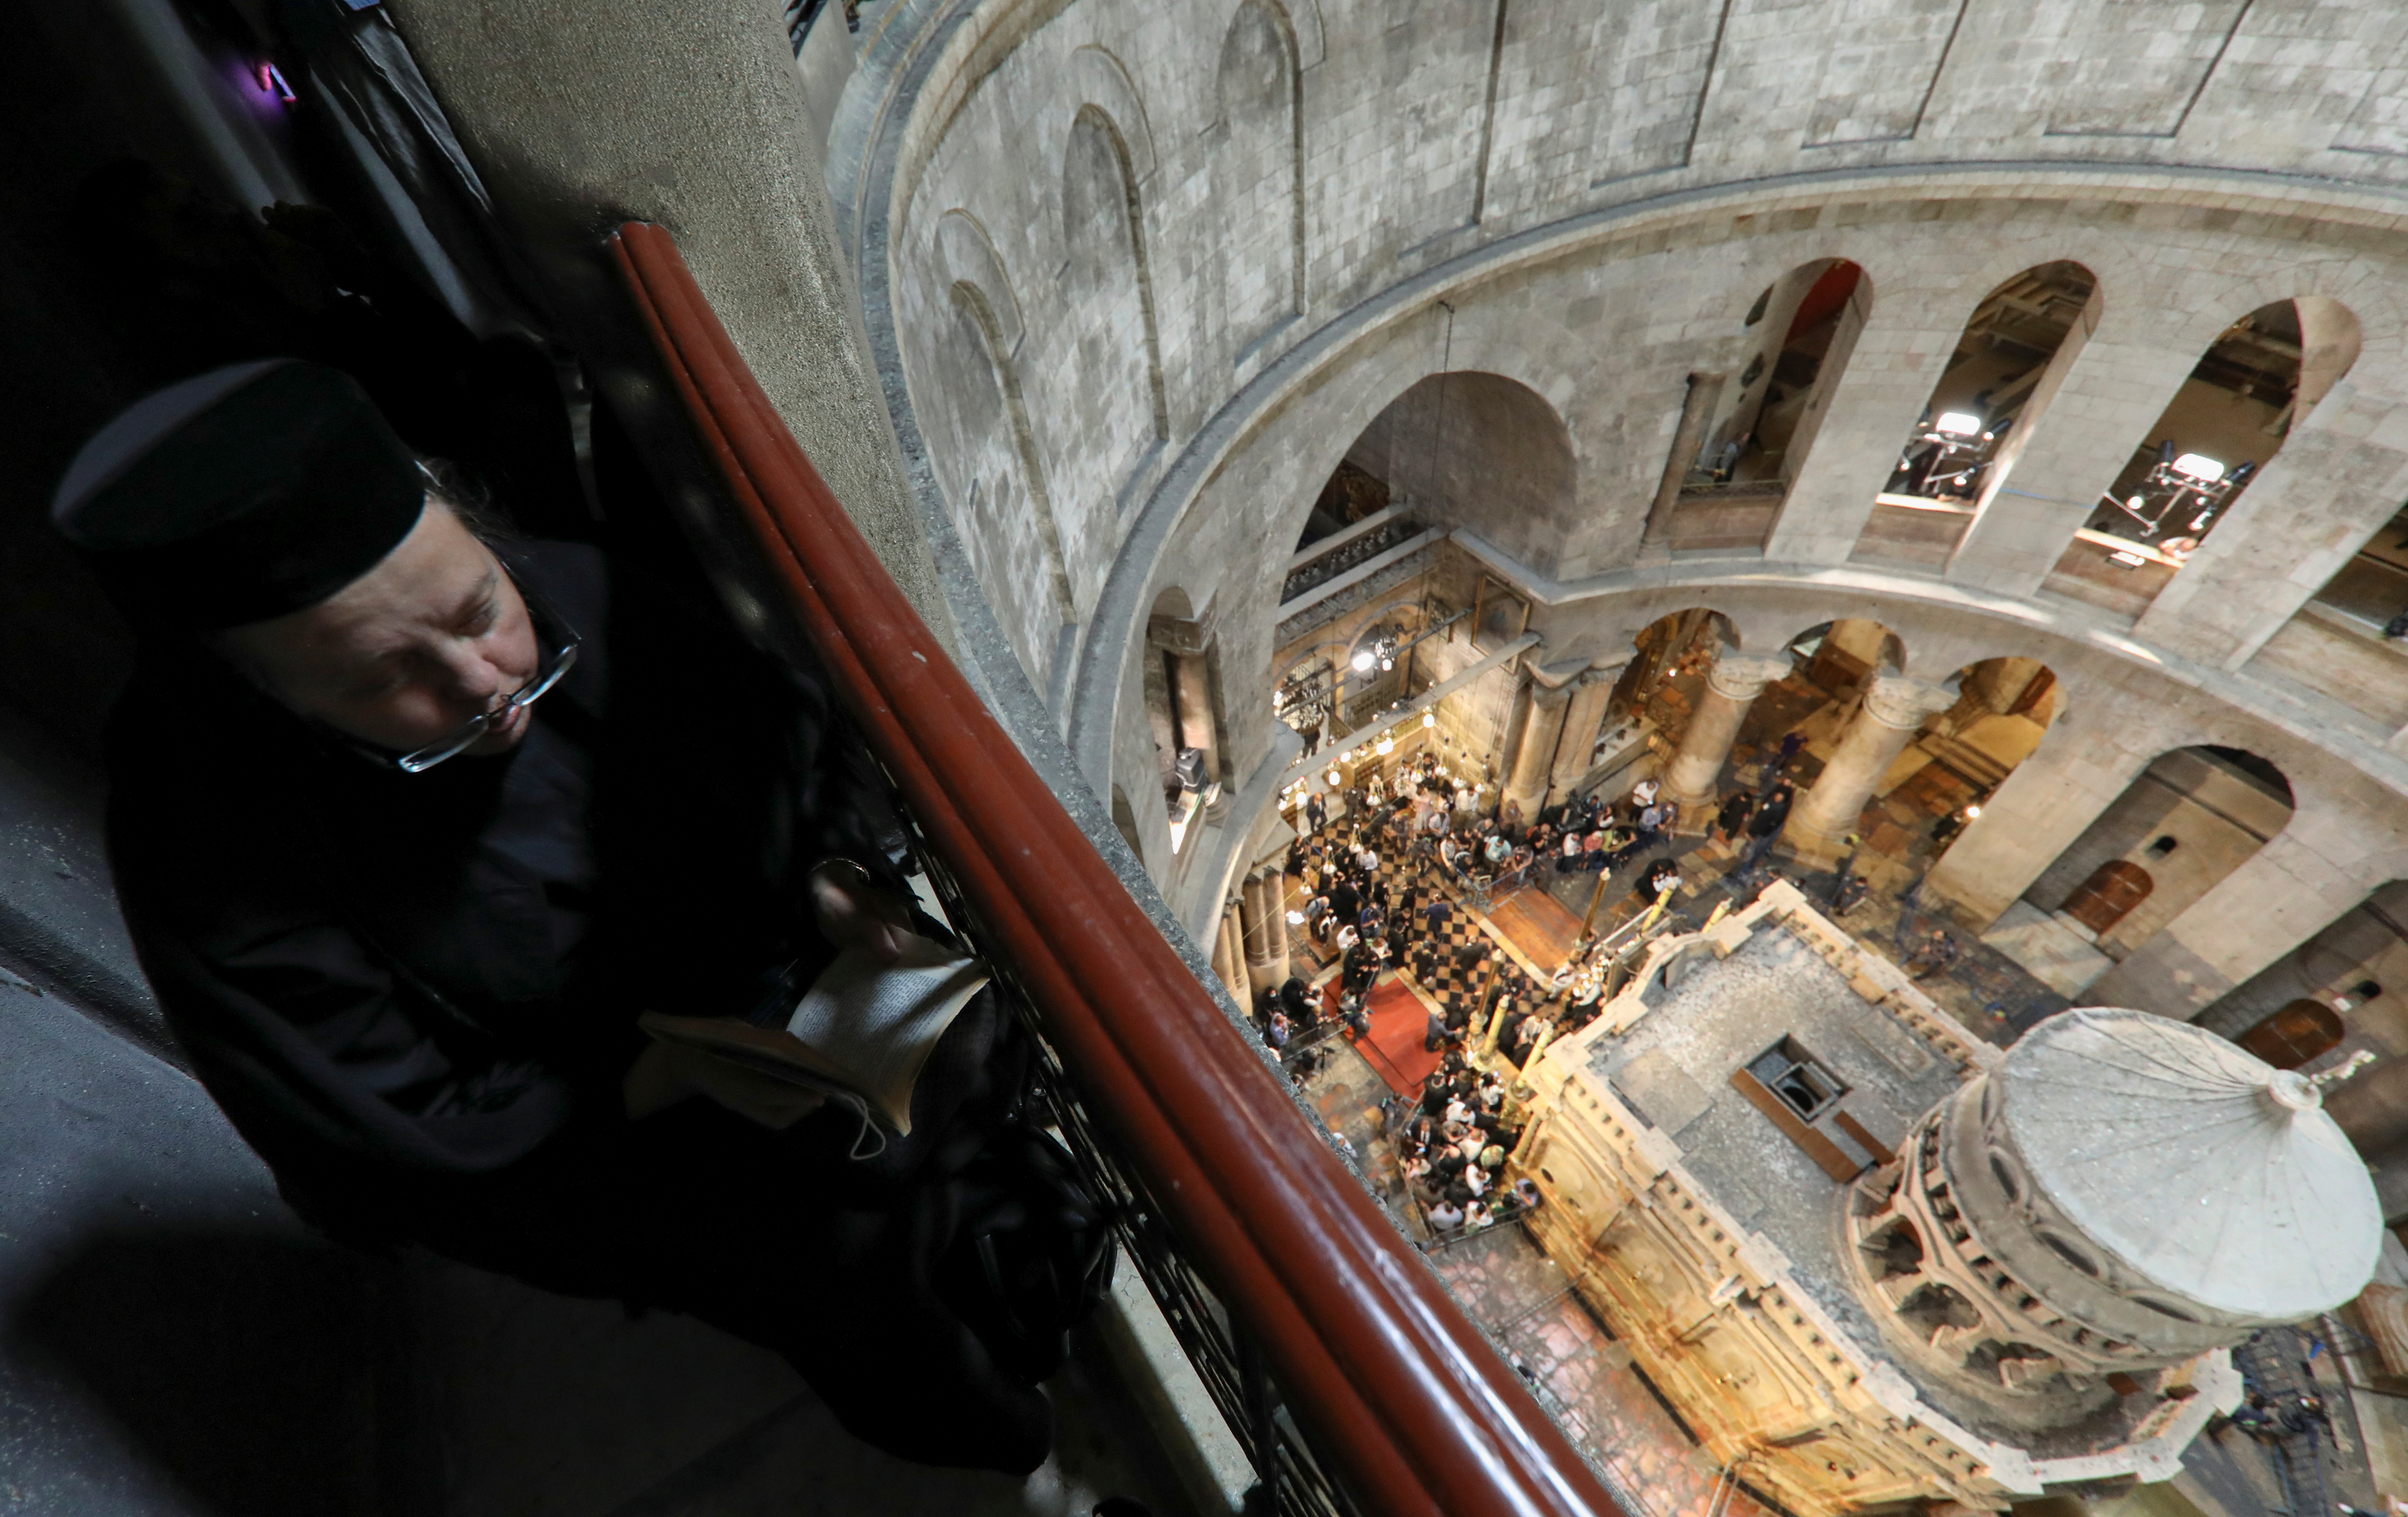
1756,426
2371,588
2229,420
2007,366
2298,1034
1659,686
2118,883
2108,896
1464,449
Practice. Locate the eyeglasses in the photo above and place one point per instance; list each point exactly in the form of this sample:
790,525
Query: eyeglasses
560,642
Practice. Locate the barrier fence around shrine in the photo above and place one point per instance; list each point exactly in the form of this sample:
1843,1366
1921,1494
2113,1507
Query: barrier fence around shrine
1352,1378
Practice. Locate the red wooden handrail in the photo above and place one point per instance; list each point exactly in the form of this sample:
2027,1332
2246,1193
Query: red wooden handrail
1396,1382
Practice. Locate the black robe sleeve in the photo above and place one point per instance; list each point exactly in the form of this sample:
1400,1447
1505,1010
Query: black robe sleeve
298,1026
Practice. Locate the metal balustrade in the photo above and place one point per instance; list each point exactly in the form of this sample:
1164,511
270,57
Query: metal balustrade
1362,548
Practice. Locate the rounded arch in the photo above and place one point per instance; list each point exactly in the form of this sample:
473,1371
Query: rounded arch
1686,642
1259,173
1103,85
1173,601
1107,273
969,256
1851,648
2005,708
2188,821
1472,448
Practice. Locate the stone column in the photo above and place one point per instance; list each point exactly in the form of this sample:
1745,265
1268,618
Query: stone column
1275,921
1693,777
1233,958
1527,781
1591,692
1697,410
1877,733
1255,932
1221,952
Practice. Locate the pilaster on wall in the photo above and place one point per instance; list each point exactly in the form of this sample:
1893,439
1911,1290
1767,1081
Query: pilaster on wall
2338,480
1851,434
2113,393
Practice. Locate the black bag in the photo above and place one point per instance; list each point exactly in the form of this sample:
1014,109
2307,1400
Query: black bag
1033,1253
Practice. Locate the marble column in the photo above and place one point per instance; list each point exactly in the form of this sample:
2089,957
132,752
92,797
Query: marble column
1591,694
1233,958
1275,921
1255,933
1526,783
1885,722
1221,952
1693,778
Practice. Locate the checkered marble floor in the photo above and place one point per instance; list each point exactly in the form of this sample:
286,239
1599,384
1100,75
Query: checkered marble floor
1412,886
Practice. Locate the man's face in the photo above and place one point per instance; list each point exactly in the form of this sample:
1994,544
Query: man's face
410,652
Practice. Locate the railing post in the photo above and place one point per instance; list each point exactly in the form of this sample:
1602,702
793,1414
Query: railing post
1262,1424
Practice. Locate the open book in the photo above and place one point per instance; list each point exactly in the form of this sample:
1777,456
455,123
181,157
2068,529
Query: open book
861,1034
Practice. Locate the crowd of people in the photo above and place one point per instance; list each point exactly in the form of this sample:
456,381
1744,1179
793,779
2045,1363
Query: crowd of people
1453,1150
1376,880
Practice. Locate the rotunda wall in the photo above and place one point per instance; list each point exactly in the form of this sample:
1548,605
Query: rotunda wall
1520,201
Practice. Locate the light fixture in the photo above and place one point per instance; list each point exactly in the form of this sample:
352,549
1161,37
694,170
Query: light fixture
1387,664
1363,661
1958,423
1973,810
1334,778
2199,466
1429,718
1385,746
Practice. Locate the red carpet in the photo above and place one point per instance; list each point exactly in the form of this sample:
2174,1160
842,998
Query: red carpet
1399,1022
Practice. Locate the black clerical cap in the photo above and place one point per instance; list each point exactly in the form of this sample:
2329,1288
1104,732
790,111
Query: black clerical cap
239,495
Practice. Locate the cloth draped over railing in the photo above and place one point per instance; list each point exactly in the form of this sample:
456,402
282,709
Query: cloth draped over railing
1398,1386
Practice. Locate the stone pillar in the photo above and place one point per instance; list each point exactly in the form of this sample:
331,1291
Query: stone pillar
1697,410
1221,952
1876,735
1256,932
1233,958
1591,694
1693,778
1275,921
1533,764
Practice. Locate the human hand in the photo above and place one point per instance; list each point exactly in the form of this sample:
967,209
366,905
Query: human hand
854,914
